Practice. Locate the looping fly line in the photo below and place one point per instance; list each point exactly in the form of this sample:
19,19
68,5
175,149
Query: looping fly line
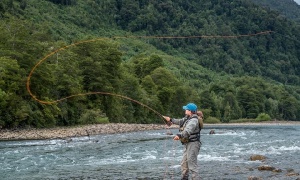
118,37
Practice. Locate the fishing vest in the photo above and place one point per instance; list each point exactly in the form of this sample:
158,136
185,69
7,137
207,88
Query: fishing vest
194,136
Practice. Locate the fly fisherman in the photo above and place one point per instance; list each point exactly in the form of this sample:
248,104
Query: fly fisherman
189,135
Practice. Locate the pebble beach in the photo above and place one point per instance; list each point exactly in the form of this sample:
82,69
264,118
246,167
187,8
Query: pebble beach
95,129
68,132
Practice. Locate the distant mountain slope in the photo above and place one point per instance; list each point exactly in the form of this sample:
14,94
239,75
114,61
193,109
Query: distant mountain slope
163,53
275,55
288,8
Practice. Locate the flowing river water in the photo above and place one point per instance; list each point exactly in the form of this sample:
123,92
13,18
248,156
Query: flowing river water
154,155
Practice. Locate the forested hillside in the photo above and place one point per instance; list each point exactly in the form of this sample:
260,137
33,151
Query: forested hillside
229,74
287,8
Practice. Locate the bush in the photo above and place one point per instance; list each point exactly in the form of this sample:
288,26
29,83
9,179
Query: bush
263,117
93,116
102,120
212,120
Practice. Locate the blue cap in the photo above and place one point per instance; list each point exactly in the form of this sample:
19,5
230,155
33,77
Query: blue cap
190,107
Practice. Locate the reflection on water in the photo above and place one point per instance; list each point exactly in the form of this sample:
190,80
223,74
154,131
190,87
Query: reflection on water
154,155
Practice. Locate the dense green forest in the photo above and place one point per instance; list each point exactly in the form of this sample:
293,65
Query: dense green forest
287,8
246,77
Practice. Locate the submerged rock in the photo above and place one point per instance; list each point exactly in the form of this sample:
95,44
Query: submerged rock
212,132
257,157
266,168
254,178
277,170
291,172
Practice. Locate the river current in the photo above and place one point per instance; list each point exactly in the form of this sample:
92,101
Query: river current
154,155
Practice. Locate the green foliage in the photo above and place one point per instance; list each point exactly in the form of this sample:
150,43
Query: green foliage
166,83
250,99
93,116
251,55
64,2
263,117
288,107
12,109
207,102
144,66
212,120
231,107
206,113
232,79
290,9
3,105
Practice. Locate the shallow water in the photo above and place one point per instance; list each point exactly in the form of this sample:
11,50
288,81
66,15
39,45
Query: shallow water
154,155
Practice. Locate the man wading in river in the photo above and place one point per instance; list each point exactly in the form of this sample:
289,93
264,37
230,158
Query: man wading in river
189,135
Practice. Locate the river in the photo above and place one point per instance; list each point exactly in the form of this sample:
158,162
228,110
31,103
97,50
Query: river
154,155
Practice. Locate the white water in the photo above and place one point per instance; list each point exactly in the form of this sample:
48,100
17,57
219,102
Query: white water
154,155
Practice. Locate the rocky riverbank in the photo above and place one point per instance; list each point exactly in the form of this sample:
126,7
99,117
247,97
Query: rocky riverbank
257,123
67,132
111,128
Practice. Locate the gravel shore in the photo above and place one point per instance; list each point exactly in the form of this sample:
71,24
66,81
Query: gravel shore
111,128
67,132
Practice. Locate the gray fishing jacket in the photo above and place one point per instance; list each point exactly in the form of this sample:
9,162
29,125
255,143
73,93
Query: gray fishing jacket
190,128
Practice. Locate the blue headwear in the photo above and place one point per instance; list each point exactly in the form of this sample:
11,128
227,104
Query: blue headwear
190,107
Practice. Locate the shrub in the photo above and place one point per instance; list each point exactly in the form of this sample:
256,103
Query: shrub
93,116
212,120
263,117
102,120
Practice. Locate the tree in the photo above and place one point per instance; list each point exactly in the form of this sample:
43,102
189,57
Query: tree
100,67
207,102
288,107
64,2
145,65
232,109
166,84
251,101
13,108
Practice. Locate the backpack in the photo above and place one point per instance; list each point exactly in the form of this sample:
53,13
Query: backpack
200,119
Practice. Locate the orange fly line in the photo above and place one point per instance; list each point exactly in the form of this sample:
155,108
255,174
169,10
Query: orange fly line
118,37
